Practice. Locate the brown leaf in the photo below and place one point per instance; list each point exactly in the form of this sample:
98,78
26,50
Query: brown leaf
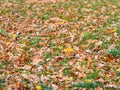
109,58
112,73
59,58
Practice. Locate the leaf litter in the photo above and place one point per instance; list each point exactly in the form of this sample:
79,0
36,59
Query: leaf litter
60,45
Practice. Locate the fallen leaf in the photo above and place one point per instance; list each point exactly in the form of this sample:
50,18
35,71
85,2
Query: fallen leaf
87,80
68,50
38,87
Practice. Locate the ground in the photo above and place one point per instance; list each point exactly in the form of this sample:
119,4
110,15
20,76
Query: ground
59,44
44,1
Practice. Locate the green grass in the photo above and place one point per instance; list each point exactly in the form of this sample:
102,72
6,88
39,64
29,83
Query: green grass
3,32
34,41
47,55
118,73
115,52
88,85
45,87
2,83
93,75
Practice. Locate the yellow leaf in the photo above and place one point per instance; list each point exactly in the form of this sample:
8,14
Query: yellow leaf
114,30
60,47
38,87
91,41
84,46
71,78
87,80
53,76
60,23
14,35
68,50
8,73
24,85
89,60
7,43
118,69
67,44
47,72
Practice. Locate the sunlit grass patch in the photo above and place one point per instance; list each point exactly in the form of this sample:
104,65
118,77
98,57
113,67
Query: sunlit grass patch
93,75
66,71
88,85
3,64
45,87
2,85
65,61
34,41
118,73
3,32
115,52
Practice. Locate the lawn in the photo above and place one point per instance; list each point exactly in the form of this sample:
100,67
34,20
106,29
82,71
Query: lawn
62,45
